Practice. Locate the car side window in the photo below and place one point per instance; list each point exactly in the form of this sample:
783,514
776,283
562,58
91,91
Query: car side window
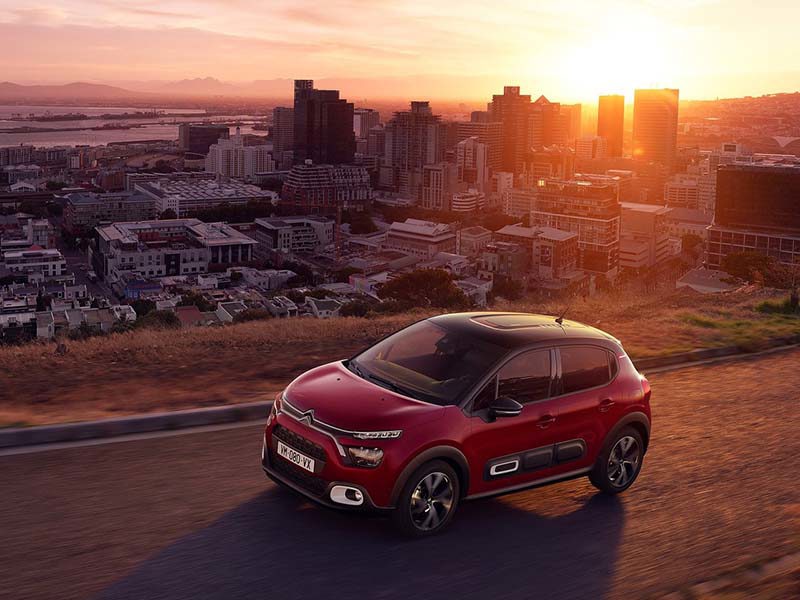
526,378
583,367
484,398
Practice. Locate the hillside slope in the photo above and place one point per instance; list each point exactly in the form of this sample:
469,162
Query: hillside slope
167,370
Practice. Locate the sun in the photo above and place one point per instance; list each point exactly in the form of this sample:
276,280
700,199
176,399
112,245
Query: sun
617,60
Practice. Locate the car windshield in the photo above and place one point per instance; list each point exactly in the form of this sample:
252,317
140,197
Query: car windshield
427,362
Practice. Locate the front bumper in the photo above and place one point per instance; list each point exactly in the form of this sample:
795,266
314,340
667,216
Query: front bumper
312,486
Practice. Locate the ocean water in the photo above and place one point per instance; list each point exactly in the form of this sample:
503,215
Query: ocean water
157,128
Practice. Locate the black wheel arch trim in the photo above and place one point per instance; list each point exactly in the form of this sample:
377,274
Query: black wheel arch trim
447,453
633,418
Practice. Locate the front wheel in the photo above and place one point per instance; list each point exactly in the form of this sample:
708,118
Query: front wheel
619,463
428,500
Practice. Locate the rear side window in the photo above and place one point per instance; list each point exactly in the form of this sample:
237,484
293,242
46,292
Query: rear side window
584,367
526,378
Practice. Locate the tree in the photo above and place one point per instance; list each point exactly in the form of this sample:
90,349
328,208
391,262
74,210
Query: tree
252,314
192,298
236,276
343,275
356,308
507,288
692,245
40,303
168,214
159,319
143,307
754,267
425,288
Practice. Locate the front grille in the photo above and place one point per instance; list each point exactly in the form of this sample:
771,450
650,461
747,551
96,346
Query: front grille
299,443
310,483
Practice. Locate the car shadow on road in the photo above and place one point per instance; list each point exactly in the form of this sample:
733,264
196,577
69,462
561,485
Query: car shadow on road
279,546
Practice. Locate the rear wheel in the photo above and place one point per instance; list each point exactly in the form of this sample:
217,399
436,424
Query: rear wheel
619,463
428,500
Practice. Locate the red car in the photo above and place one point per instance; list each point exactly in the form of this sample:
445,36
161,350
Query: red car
458,407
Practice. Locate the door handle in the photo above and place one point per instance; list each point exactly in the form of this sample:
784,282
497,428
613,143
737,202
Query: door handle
545,421
605,405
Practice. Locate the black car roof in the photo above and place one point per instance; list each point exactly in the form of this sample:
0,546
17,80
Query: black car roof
514,330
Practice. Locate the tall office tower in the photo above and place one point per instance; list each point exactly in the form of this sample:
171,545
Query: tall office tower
414,138
589,147
472,162
283,135
547,125
323,125
512,109
571,113
655,126
611,123
197,139
376,141
487,132
479,116
365,119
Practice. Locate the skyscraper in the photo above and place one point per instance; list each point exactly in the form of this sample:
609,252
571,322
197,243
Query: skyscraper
571,113
611,123
655,126
512,109
323,125
365,119
282,135
414,138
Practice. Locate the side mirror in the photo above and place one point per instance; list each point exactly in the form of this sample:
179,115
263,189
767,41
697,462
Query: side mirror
504,406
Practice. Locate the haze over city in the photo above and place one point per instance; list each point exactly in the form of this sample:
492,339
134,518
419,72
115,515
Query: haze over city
575,50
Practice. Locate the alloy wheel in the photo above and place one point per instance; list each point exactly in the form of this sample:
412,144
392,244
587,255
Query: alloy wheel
623,461
431,501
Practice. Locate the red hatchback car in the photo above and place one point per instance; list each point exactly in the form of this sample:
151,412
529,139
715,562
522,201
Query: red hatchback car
457,407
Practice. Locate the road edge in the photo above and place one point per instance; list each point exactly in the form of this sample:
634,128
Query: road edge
254,411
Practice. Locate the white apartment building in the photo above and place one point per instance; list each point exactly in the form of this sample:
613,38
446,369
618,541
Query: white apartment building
303,234
232,158
167,248
420,238
47,262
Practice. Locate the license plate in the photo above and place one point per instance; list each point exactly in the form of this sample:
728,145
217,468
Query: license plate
294,457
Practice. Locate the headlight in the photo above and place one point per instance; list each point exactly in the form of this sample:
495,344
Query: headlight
377,435
365,457
273,412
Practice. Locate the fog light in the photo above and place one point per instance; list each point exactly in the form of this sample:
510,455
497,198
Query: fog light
344,494
353,495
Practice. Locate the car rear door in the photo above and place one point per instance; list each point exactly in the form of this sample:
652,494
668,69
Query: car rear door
511,451
586,403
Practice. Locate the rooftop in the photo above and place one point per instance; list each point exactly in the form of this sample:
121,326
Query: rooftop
201,189
655,209
548,233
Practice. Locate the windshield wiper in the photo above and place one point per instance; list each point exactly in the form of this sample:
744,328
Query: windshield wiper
390,385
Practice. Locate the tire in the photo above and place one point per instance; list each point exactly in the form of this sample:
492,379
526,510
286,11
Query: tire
619,462
428,500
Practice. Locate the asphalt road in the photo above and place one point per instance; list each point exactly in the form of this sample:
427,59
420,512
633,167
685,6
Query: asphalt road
191,516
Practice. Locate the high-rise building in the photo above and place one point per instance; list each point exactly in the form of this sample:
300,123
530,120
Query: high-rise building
590,147
376,141
571,113
548,126
312,189
757,210
197,139
611,123
590,210
489,133
414,138
655,126
364,119
323,125
438,185
512,109
472,162
282,135
232,158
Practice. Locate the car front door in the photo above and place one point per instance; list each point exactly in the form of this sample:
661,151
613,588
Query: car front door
505,452
585,404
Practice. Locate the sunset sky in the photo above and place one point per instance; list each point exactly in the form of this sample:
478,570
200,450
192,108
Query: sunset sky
570,50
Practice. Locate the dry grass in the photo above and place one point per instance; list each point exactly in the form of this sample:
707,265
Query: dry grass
147,371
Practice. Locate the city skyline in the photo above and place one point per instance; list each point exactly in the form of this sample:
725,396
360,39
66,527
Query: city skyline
462,51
